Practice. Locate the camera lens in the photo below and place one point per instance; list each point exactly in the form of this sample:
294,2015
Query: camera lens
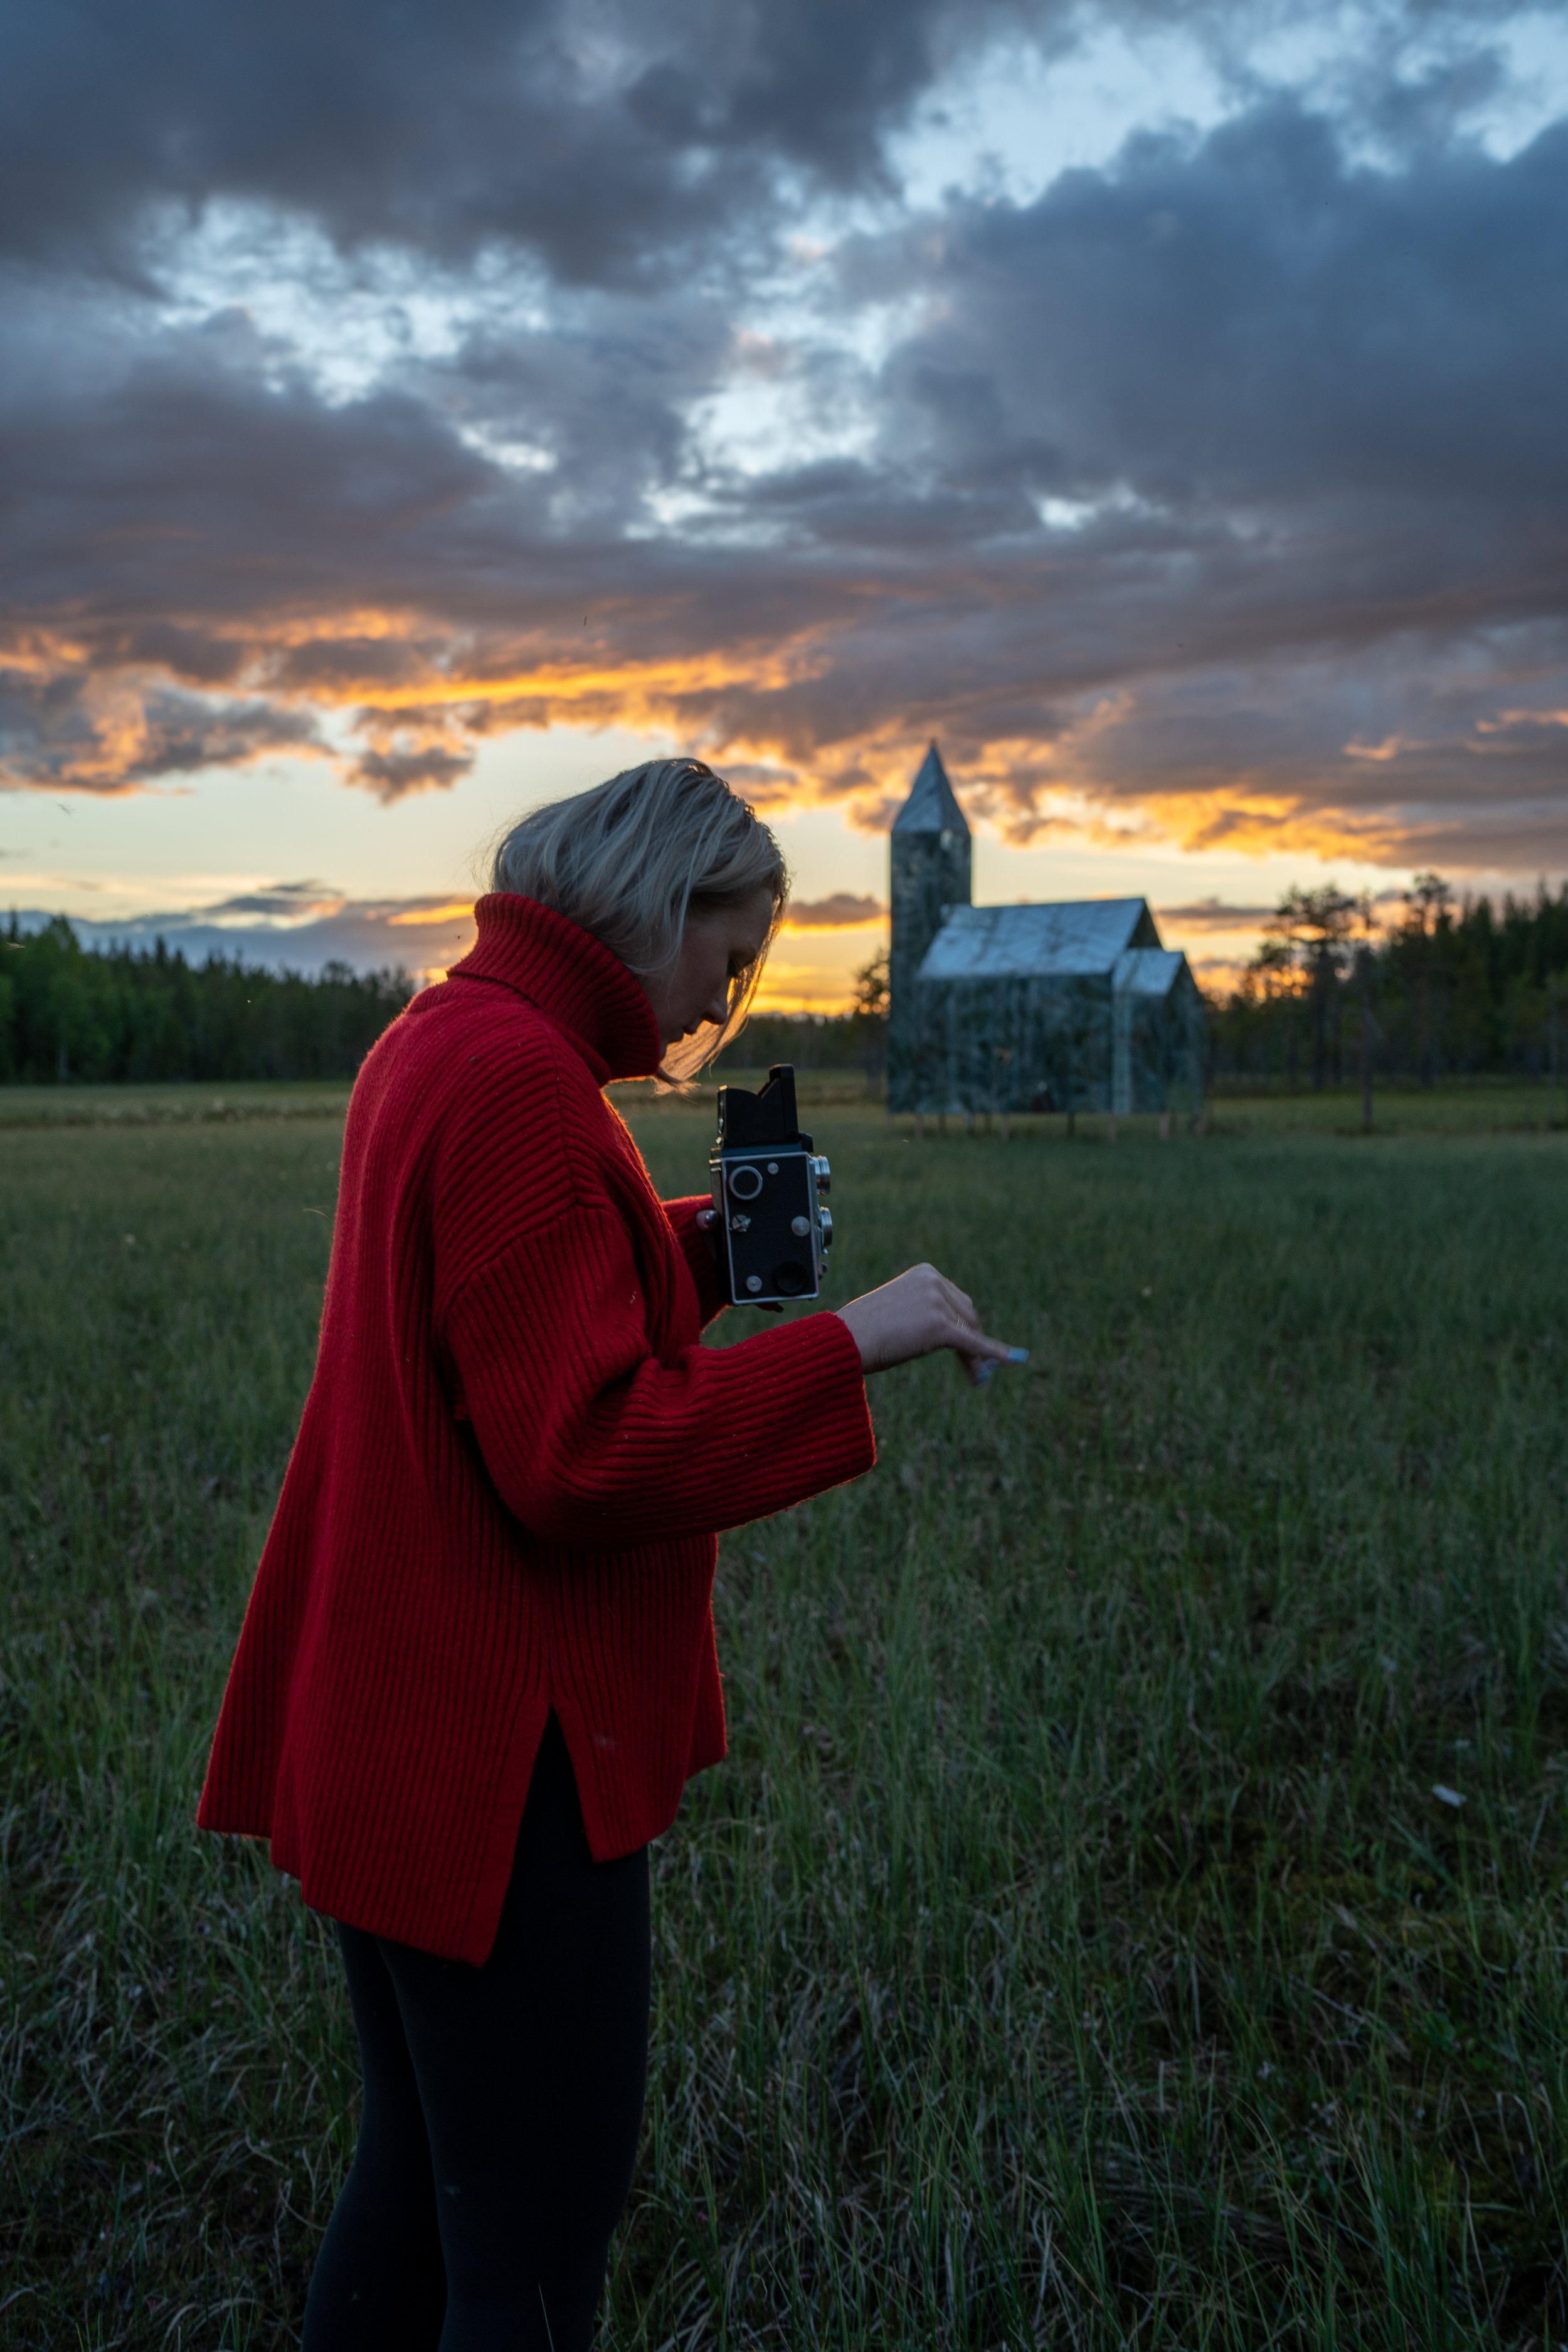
791,1279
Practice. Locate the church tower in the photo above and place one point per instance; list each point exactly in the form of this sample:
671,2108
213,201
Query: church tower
930,863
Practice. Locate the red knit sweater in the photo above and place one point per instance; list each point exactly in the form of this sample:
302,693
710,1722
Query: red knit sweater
512,1463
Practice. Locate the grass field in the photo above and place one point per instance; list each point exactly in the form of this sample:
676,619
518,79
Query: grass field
1073,1951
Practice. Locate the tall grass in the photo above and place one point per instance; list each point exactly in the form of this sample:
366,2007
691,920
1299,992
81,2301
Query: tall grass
1072,1951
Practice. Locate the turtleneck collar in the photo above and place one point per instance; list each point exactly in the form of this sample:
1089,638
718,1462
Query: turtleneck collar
571,978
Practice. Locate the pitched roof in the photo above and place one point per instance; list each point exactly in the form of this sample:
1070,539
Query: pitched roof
931,806
1149,971
1072,937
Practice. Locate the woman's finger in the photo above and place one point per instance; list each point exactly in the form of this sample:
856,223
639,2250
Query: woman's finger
916,1314
974,1346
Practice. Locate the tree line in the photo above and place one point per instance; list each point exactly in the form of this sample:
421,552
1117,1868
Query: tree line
856,1040
1446,989
1333,995
67,1013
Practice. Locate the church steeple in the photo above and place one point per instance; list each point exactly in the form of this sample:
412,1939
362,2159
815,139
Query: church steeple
930,861
932,804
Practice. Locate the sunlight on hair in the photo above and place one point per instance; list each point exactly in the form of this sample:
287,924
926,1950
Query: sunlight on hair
631,859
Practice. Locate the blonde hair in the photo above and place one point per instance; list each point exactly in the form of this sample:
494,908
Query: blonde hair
631,859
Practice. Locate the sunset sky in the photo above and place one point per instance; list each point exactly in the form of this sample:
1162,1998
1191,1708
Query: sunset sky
409,414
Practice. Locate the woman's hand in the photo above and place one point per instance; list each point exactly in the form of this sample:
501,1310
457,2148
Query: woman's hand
915,1315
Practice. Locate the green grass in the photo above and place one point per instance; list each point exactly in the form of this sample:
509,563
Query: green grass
163,1106
1072,1951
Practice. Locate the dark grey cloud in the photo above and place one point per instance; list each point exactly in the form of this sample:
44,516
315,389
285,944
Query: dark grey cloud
1227,479
1304,414
617,142
182,733
844,911
282,902
1252,319
611,139
71,727
390,774
293,926
1214,915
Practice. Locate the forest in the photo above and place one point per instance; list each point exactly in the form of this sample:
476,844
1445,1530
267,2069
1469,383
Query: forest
67,1013
1446,989
70,1013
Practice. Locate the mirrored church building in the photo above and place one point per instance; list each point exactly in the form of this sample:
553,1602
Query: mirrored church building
1072,1006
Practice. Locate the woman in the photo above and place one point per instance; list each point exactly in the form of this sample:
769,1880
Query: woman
478,1663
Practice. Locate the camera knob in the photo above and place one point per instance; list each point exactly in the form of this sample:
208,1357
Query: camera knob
800,1227
824,1219
823,1174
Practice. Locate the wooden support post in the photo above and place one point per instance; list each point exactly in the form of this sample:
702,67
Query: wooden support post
1165,1127
1553,1050
1368,1031
1110,1126
942,1122
1004,1125
919,1127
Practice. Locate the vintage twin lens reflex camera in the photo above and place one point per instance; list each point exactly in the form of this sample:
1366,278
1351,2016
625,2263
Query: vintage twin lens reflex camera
770,1224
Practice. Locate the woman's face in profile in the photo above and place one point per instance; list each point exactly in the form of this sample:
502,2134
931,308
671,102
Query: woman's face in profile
715,949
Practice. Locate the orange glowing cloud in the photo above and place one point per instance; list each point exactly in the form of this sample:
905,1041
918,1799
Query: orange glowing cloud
401,704
449,911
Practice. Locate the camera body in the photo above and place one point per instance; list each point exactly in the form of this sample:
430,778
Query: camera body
769,1225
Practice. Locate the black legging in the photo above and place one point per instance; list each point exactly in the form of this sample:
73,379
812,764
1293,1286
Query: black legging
501,2110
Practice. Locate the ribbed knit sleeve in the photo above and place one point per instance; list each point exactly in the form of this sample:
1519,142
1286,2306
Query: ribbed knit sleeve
697,1248
593,1443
